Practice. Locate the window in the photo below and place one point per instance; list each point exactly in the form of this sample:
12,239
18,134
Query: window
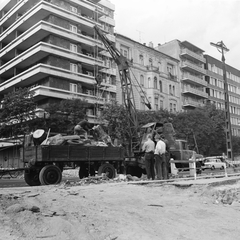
155,82
161,104
160,86
170,89
174,108
159,66
73,47
73,28
149,82
141,59
173,90
124,51
142,80
150,62
73,67
73,9
170,68
171,108
156,103
142,103
73,87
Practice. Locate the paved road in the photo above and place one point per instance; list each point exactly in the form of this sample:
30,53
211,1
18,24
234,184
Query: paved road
14,182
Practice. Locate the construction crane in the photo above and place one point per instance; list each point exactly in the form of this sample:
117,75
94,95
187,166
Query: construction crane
127,87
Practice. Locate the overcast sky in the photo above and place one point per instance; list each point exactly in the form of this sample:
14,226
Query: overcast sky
197,21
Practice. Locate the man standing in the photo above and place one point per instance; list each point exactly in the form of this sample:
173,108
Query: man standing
160,160
148,148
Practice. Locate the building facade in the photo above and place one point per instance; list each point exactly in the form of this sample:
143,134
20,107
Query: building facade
51,47
154,75
215,90
192,72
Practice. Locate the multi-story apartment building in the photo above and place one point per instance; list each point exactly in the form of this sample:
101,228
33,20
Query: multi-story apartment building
154,75
192,72
51,46
216,92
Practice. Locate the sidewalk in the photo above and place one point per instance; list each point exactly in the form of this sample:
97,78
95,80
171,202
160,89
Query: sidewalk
202,180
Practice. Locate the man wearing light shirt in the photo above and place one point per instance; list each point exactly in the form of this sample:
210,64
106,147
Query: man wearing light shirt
160,160
148,148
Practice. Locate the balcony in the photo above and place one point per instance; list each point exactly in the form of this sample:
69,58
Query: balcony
36,73
187,65
110,71
107,20
42,50
152,68
193,91
41,92
41,11
192,55
189,78
192,103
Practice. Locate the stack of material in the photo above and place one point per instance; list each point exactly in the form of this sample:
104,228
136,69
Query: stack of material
40,137
72,140
102,135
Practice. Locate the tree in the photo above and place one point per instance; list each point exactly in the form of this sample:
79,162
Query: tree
17,109
117,120
207,125
65,114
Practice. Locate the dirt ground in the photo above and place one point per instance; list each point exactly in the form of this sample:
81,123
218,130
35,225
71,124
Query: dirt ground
120,210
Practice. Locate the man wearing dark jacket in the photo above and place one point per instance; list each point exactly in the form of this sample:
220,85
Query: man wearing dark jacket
83,127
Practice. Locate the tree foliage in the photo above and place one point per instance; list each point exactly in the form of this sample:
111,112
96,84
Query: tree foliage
17,109
117,121
203,128
63,116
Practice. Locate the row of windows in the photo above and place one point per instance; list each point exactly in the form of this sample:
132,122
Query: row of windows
220,84
219,71
157,85
232,109
220,95
159,104
216,94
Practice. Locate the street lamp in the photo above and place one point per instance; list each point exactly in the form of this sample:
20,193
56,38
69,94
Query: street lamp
221,48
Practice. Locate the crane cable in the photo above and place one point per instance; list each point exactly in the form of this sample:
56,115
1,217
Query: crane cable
148,104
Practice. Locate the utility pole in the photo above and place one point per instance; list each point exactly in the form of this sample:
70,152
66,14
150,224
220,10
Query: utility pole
221,48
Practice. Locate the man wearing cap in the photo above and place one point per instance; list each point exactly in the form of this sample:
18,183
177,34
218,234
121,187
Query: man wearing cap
160,160
148,147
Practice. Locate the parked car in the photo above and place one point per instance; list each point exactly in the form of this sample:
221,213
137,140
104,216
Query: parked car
213,163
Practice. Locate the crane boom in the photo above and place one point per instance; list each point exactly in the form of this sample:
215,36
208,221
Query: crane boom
126,85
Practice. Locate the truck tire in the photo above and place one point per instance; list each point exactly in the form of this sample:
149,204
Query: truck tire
31,177
108,169
50,174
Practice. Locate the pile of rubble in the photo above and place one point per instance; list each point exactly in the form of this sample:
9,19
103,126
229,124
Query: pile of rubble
102,179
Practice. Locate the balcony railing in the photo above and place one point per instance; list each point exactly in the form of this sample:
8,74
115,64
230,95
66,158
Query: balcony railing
194,91
187,77
193,55
192,103
192,66
152,68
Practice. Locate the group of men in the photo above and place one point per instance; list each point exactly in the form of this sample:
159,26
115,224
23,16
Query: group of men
156,157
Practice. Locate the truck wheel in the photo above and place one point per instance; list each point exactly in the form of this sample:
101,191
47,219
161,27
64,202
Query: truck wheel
31,177
50,174
108,169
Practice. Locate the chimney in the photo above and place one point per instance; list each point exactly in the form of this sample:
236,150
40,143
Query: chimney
150,44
